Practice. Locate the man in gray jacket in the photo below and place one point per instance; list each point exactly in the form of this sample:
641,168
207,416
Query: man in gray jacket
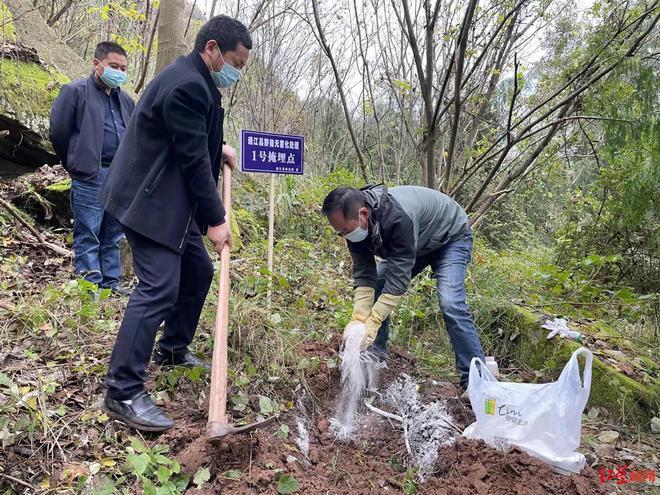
410,228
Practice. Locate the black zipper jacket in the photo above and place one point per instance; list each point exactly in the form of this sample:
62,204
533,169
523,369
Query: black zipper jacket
405,223
164,176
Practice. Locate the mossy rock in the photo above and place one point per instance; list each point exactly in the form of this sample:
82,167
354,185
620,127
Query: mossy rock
628,400
63,186
27,92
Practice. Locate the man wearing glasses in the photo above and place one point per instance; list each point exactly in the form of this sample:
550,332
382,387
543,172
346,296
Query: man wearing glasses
408,228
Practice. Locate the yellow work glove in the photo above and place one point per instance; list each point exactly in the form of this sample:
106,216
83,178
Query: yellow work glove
379,313
363,301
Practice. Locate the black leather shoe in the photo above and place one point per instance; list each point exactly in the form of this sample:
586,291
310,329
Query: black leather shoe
139,412
120,291
187,360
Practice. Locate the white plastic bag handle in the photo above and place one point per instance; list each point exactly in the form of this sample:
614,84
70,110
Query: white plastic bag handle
477,376
572,368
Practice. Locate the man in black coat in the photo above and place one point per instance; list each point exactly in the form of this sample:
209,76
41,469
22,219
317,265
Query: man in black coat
87,122
163,190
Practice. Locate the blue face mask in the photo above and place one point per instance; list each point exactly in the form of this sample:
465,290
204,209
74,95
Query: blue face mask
227,76
357,235
112,78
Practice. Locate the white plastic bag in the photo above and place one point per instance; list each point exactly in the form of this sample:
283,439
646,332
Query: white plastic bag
542,419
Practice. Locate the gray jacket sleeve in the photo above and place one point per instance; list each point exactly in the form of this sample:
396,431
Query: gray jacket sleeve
402,252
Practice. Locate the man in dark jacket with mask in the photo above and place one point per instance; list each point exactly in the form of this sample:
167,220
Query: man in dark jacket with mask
410,228
87,122
163,190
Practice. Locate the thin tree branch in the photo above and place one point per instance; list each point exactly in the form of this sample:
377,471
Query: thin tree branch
460,62
514,174
192,10
340,88
56,17
53,247
584,73
145,67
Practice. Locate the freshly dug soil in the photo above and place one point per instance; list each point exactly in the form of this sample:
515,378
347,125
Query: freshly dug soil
375,462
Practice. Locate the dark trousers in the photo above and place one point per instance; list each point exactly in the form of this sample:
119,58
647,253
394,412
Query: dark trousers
172,289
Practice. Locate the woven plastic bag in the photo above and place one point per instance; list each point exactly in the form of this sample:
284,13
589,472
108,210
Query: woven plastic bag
542,419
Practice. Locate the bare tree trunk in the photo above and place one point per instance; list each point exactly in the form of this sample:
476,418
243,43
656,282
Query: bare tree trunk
367,71
56,16
145,65
192,11
460,60
425,76
340,88
212,13
147,26
171,43
495,70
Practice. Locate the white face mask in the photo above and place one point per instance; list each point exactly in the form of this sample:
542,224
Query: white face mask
357,235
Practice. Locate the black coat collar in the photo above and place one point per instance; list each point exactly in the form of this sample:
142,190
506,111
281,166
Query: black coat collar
199,64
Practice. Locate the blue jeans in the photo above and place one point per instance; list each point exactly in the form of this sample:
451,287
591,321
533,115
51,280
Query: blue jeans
96,234
449,265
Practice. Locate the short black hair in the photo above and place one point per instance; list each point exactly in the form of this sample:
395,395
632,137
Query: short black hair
105,47
345,199
226,31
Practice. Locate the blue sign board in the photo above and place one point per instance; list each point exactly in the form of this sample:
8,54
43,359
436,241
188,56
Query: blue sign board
271,153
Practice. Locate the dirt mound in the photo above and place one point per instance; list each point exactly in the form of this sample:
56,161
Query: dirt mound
375,462
470,467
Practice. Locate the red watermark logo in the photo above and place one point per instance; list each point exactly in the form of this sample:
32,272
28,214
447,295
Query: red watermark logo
623,475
